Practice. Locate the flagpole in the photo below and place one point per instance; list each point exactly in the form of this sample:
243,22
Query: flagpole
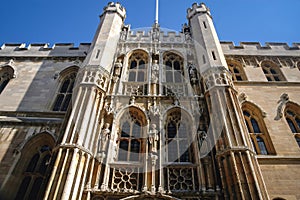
156,13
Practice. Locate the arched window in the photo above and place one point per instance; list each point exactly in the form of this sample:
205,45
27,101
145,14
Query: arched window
6,73
138,67
177,140
272,71
236,70
34,174
180,172
64,94
173,68
292,116
131,140
256,127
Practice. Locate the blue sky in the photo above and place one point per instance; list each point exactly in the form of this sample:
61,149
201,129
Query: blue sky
75,21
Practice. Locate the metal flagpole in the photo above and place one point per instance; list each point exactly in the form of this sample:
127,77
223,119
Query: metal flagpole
156,13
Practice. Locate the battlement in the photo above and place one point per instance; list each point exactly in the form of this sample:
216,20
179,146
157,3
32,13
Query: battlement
197,8
115,7
255,48
145,35
44,50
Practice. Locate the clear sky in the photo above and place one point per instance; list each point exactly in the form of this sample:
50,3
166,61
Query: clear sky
75,21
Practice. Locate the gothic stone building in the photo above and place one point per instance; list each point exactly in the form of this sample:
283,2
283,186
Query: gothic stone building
150,115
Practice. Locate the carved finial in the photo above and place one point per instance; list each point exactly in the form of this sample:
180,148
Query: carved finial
284,98
242,97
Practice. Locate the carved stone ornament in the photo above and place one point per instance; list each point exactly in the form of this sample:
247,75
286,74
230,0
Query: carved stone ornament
284,98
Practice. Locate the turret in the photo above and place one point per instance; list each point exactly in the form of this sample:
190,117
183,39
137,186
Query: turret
105,41
207,44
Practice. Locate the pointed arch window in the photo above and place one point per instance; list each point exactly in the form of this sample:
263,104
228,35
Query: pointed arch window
64,94
272,72
177,141
173,68
34,174
259,136
293,119
6,74
131,141
138,65
237,71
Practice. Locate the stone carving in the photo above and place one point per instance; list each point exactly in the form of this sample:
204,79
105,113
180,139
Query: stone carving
118,67
153,138
242,97
154,74
155,33
104,137
284,98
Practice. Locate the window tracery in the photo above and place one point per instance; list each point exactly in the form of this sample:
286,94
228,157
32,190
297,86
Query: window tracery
181,174
64,94
258,133
131,140
34,174
272,71
292,116
173,68
138,65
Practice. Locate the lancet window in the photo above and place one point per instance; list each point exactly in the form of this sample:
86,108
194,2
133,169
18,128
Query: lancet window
237,71
259,136
138,65
292,116
64,94
272,72
173,68
6,73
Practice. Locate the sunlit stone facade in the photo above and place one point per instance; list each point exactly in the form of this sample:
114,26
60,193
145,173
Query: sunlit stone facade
150,114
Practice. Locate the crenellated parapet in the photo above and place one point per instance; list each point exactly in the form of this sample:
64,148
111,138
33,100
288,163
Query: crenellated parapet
197,8
44,50
115,8
145,36
255,48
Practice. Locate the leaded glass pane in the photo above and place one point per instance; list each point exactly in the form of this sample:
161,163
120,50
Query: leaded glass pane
262,146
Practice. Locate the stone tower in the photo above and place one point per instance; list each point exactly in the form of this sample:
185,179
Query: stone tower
76,158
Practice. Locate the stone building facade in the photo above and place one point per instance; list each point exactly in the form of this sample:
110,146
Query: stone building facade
150,115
